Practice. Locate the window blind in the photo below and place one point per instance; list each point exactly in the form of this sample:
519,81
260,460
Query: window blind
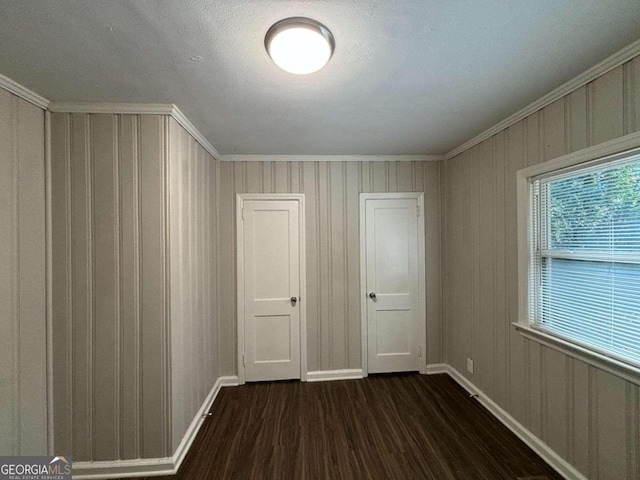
585,257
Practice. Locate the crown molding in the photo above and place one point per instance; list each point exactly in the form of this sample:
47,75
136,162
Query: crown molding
621,56
179,117
332,158
113,108
23,92
138,109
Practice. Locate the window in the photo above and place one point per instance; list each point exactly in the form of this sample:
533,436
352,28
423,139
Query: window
584,271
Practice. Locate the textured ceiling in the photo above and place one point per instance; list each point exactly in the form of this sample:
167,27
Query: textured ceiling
407,76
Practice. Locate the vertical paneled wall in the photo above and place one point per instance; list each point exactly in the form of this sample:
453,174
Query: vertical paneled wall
23,294
333,273
587,416
110,284
193,266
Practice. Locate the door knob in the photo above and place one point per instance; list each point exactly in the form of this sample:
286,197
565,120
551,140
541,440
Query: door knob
294,300
372,296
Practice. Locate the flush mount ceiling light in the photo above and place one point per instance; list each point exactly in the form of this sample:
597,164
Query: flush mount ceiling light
299,45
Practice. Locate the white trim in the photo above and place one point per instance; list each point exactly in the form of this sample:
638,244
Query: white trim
422,285
563,467
435,368
422,306
124,468
621,56
240,199
605,149
522,240
303,289
193,429
138,109
30,96
113,108
154,466
240,288
327,375
229,381
179,117
49,279
603,152
332,158
611,365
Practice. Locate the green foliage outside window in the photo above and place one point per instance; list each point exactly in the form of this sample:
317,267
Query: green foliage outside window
586,210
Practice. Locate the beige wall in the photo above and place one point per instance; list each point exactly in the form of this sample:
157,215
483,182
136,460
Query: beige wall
110,286
23,294
193,266
333,274
589,417
134,265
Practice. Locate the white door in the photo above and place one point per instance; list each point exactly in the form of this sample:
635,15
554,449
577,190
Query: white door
269,288
393,241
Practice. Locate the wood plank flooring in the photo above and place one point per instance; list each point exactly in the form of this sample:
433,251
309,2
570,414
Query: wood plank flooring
401,426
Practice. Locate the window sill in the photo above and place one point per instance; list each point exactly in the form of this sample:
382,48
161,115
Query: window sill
610,365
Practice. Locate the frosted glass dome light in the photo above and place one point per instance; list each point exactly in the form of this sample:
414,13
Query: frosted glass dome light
299,45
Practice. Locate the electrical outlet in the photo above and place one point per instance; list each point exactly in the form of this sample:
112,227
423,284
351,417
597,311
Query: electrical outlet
469,365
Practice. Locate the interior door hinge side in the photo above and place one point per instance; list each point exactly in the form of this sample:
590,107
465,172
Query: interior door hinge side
242,214
420,350
418,211
244,364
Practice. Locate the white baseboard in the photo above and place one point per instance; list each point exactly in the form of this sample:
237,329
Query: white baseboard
153,466
142,467
563,467
434,368
229,381
326,375
194,428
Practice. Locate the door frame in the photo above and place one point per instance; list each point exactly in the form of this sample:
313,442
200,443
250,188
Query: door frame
240,199
421,303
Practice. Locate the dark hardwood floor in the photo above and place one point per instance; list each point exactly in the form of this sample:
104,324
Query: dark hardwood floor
401,426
